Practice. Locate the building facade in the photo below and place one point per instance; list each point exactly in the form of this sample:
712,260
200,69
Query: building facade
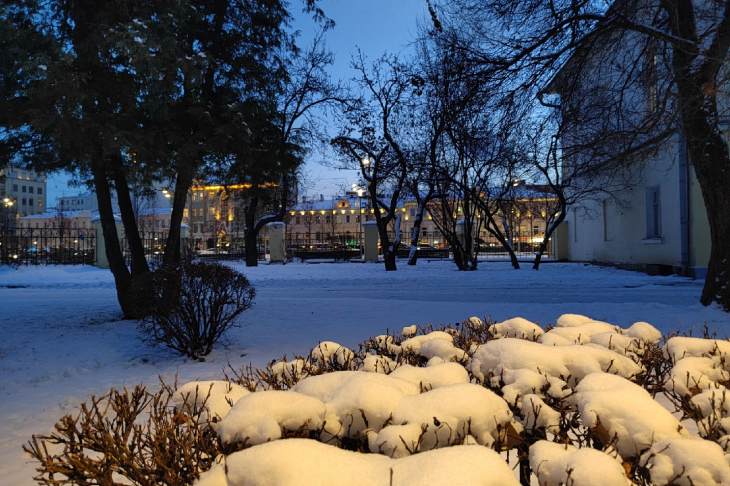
22,192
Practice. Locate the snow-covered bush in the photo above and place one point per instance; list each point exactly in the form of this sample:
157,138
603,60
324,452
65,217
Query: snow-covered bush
194,305
131,437
583,402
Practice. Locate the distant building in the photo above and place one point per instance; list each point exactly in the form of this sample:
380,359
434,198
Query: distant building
77,202
22,192
317,221
59,220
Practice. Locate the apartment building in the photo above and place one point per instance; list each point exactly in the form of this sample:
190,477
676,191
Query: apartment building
22,192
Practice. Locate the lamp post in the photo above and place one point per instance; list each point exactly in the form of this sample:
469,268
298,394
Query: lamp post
7,205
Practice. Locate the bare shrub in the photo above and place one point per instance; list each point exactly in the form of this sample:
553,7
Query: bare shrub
127,437
195,304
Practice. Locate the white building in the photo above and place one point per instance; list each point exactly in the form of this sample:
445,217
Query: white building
22,192
658,221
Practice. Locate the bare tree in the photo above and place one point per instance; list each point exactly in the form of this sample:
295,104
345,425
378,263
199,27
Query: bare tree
630,76
368,142
307,92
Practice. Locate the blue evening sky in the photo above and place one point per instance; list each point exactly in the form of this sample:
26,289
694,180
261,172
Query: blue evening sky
375,26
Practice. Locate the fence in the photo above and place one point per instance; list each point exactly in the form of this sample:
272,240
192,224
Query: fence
340,246
33,246
40,246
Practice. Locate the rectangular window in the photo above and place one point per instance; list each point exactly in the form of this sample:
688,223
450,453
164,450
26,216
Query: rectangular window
653,213
24,188
23,200
347,219
40,190
30,189
30,201
15,188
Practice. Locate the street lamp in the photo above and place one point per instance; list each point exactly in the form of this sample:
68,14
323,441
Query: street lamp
8,203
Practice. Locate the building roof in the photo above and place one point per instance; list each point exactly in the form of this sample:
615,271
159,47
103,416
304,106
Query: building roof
79,213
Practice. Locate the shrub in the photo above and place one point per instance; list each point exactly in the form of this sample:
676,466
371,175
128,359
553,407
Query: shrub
127,437
195,304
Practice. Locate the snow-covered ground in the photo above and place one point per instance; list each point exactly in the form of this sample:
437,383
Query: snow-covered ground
62,340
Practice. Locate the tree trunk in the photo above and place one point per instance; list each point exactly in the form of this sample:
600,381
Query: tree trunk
549,230
505,244
124,282
252,250
389,258
183,183
139,264
250,236
697,99
709,155
416,233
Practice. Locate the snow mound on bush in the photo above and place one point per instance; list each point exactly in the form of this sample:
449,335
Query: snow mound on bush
444,417
409,331
474,323
331,352
624,414
693,375
434,344
644,331
358,400
294,462
375,363
579,329
434,376
559,464
686,462
495,359
263,416
217,396
538,415
289,371
680,347
517,327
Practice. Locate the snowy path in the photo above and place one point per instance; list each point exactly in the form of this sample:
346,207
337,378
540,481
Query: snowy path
61,339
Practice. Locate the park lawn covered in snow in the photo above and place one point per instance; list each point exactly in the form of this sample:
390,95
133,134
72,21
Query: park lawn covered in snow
62,339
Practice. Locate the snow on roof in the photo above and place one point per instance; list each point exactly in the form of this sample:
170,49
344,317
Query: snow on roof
50,214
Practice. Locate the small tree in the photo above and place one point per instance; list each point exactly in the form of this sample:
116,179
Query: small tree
207,299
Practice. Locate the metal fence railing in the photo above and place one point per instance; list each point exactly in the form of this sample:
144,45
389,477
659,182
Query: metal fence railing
34,246
39,246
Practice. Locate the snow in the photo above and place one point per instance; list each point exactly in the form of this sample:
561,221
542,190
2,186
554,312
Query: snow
687,462
262,417
376,363
435,376
517,327
624,414
444,417
215,395
409,331
63,340
558,464
679,347
331,352
538,415
434,344
693,375
569,363
293,462
357,400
